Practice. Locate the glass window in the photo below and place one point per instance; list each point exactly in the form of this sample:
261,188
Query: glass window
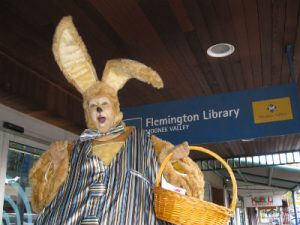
262,160
297,156
276,158
17,196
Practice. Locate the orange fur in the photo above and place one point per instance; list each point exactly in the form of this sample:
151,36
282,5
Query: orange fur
101,89
193,182
44,191
82,75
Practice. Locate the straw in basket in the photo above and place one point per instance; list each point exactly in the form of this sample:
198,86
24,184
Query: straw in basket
183,210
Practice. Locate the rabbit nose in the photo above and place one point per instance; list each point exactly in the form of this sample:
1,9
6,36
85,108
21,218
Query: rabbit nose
99,109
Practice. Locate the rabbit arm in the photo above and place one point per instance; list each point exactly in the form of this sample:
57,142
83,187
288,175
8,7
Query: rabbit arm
192,182
162,148
45,181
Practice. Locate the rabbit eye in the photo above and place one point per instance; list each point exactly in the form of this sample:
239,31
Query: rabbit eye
92,105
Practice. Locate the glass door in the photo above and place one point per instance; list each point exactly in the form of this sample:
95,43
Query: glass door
18,156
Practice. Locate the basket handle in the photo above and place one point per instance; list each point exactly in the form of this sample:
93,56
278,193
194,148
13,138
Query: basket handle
214,155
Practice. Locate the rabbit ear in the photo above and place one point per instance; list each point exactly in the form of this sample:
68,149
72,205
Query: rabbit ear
72,57
118,71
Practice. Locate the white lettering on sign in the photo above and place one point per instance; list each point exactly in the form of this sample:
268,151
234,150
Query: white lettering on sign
179,128
184,121
219,114
172,120
176,128
157,130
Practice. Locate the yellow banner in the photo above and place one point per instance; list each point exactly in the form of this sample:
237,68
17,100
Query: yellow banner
272,110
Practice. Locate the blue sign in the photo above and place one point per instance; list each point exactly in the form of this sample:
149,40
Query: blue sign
246,114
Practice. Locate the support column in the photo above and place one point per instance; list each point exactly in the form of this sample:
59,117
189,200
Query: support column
295,207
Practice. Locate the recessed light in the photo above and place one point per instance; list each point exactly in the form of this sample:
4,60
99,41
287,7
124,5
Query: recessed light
220,50
247,139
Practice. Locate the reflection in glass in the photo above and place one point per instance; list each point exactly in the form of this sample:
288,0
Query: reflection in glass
249,161
282,158
270,159
236,162
256,160
204,165
218,164
243,162
211,164
276,158
230,162
297,156
262,160
17,197
290,157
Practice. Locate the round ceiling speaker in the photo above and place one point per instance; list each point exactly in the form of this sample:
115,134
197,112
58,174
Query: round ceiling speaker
220,50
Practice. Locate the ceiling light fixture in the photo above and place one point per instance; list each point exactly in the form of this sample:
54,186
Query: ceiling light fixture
220,50
247,139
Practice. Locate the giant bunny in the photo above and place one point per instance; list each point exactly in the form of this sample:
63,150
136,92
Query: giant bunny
106,177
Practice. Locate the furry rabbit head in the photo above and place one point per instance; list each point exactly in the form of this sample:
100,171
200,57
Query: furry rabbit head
100,97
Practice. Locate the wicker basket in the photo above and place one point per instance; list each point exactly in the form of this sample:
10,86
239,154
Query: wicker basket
183,210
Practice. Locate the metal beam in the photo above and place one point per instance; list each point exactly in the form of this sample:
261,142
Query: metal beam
262,184
242,176
270,176
275,179
296,188
219,174
295,207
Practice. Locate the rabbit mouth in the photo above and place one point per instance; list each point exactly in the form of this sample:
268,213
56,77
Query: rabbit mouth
101,119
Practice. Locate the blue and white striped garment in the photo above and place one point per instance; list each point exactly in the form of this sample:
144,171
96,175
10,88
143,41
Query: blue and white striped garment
118,194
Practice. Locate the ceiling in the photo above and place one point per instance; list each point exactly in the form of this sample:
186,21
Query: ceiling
171,36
